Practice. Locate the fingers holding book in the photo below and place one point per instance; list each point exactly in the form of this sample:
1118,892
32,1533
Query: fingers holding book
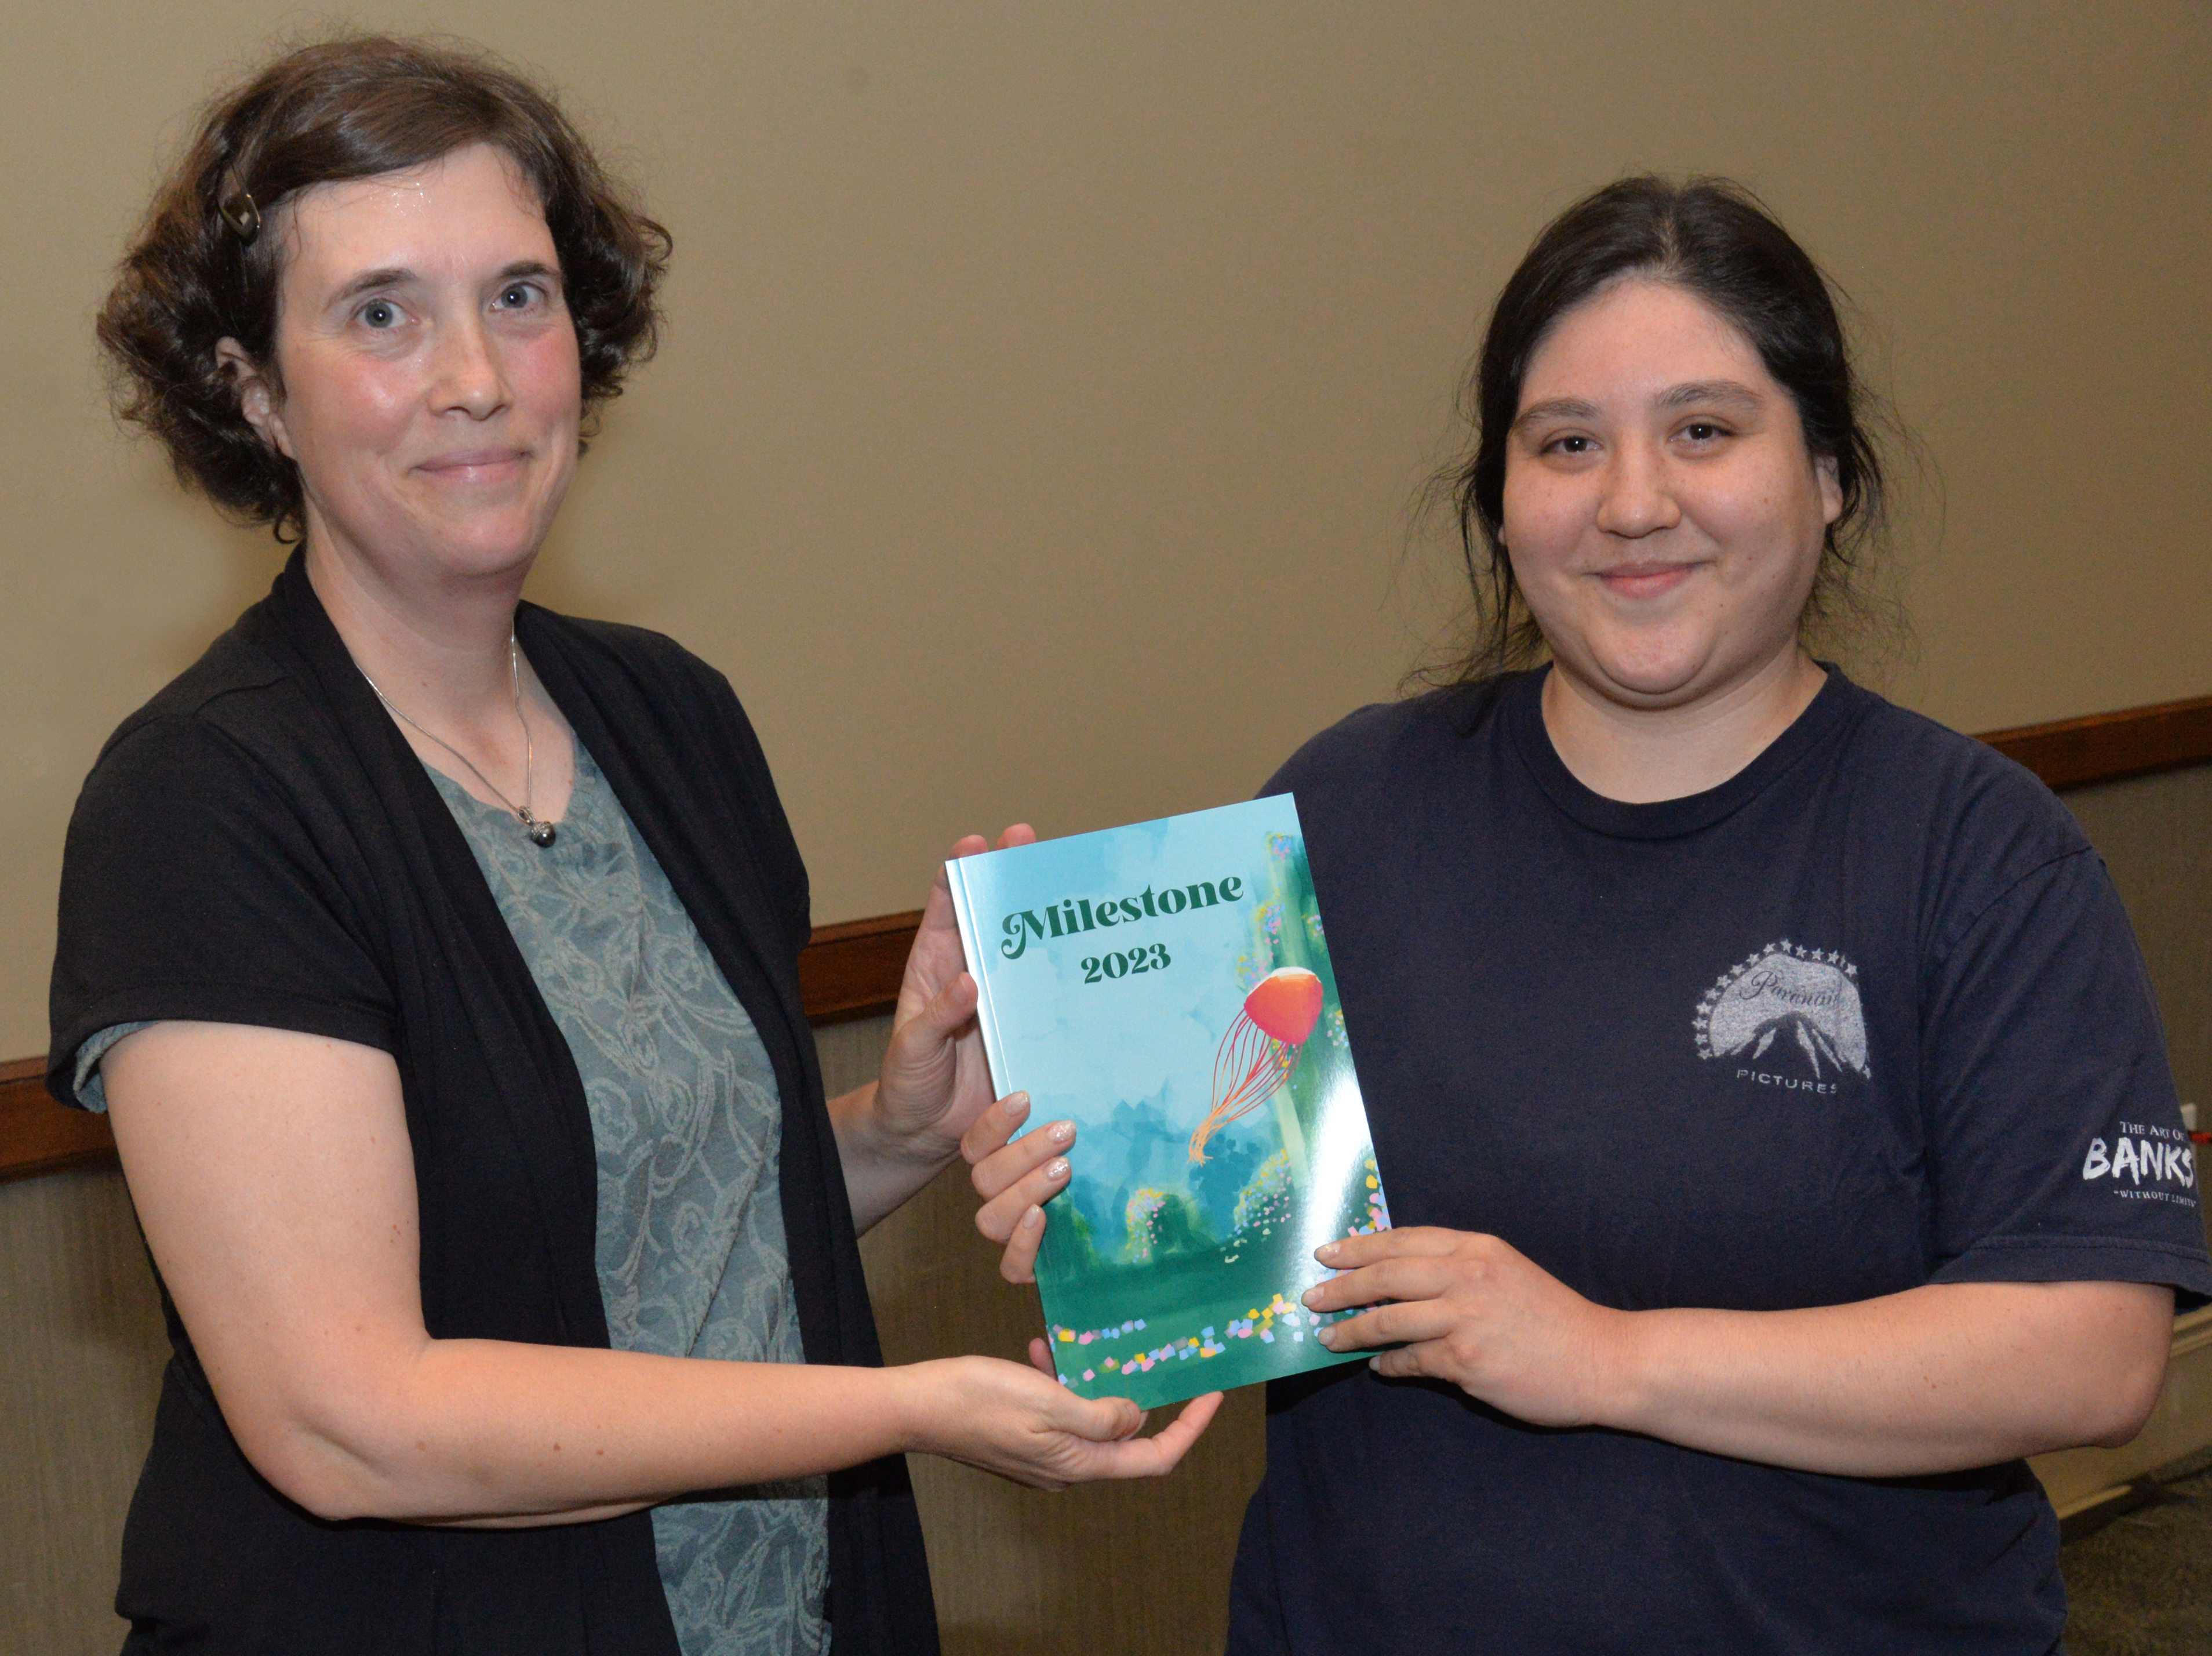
1473,1310
894,1135
935,1077
1016,1177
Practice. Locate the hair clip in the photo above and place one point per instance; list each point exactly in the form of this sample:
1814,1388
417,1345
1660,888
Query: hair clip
237,210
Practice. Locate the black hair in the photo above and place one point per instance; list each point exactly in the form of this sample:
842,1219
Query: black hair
1712,238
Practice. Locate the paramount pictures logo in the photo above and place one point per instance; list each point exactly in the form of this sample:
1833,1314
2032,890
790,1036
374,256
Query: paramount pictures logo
1800,1004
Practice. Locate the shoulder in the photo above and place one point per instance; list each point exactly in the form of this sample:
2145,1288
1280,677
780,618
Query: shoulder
212,869
232,715
1382,745
642,681
1956,784
648,689
1964,775
1983,822
613,648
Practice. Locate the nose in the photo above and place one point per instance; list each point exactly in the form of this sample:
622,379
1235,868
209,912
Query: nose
470,379
1635,497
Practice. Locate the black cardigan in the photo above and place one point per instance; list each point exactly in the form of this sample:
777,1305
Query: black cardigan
258,844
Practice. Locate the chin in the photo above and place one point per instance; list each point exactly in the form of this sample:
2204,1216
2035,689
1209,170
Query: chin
487,545
1657,679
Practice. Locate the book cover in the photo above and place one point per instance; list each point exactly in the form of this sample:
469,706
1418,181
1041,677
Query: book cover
1166,987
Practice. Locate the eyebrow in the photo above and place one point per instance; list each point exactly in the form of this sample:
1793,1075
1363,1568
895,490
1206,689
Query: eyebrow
1711,392
1731,391
368,280
398,276
1559,408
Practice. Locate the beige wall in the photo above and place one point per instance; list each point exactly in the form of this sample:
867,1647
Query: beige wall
1047,383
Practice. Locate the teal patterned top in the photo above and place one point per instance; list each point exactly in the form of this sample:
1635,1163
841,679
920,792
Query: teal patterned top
687,1121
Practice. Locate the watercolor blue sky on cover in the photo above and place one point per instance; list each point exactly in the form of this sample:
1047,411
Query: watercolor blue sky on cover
1082,1048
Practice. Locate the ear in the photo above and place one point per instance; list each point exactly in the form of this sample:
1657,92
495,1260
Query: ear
256,397
1831,492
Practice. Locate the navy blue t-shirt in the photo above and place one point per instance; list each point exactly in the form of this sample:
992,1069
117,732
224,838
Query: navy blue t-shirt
1866,1016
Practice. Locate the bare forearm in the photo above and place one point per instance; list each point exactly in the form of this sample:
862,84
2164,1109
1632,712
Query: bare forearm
273,1177
485,1430
882,1169
1935,1379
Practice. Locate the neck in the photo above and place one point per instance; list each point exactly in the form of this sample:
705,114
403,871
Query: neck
437,645
437,649
1642,755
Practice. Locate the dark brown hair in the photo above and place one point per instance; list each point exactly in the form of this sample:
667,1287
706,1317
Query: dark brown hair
207,261
1711,237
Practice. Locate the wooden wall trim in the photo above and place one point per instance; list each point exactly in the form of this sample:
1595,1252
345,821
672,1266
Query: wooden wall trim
2111,746
38,1135
852,970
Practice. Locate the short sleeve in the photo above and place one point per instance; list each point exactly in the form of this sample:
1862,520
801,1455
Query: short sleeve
2057,1145
194,887
87,1085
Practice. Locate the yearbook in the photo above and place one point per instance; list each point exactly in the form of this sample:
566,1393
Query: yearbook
1166,988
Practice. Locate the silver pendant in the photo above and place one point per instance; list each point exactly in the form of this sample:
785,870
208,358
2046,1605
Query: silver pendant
541,833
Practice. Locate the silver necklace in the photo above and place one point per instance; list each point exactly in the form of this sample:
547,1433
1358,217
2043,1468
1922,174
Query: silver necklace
542,832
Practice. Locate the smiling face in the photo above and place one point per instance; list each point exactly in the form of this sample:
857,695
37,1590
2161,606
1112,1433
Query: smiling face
1663,517
432,393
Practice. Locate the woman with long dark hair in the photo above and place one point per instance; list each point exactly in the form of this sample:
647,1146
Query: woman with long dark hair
1772,1101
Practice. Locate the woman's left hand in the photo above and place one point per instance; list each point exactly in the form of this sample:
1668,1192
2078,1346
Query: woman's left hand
893,1136
1473,1310
1934,1379
934,1080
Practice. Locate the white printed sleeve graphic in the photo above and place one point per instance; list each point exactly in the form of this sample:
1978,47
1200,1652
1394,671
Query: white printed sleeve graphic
2139,1159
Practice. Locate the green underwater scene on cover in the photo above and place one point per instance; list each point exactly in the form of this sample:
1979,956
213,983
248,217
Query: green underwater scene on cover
1167,987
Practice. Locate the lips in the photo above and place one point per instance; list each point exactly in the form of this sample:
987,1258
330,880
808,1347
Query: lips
469,464
1646,579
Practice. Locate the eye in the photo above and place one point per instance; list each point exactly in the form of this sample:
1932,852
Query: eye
1703,431
1570,445
380,314
519,295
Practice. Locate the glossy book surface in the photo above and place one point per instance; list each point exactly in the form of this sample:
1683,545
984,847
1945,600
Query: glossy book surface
1167,987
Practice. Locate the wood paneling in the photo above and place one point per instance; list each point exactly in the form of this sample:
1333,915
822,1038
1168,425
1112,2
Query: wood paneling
38,1135
851,970
2155,835
82,1347
2108,746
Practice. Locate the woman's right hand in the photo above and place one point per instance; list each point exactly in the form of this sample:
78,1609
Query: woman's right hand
1029,1426
1026,1426
1016,1180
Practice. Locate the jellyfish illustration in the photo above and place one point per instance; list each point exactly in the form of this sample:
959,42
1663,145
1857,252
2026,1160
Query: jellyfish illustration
1261,1049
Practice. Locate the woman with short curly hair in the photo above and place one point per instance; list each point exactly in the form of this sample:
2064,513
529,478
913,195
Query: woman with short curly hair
200,270
435,958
